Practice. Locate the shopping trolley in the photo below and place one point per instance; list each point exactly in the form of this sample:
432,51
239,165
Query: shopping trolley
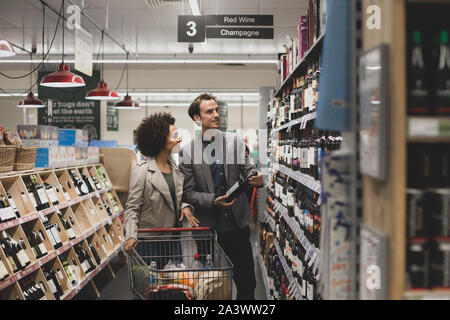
179,264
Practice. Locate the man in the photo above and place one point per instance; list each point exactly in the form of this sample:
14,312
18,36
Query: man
211,164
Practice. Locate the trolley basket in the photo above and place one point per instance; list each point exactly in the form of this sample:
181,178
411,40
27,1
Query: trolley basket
179,264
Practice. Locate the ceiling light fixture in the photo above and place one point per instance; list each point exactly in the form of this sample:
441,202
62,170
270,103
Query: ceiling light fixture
30,101
127,103
6,49
102,91
62,77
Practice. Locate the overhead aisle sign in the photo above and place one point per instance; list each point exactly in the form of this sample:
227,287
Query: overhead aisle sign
197,28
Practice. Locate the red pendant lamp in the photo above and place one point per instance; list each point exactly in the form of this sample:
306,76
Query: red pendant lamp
127,103
62,77
30,101
6,49
102,91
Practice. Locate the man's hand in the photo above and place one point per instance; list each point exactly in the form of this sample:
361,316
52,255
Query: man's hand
129,245
256,181
221,202
187,212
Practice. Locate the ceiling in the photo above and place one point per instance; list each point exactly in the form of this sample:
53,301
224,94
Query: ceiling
143,29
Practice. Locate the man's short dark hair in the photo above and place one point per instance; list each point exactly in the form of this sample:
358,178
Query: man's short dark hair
151,134
194,108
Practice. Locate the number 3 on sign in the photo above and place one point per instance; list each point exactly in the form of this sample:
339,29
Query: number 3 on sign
191,29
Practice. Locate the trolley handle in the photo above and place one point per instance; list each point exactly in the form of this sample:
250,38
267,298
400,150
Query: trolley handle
174,229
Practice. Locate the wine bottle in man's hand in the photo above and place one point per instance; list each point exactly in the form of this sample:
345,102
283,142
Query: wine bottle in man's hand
240,186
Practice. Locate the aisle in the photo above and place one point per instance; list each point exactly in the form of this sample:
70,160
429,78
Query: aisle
118,288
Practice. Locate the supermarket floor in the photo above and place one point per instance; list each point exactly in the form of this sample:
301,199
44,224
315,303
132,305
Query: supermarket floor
119,289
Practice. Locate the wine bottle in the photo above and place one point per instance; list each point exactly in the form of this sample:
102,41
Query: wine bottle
41,290
65,193
37,245
6,212
87,182
96,183
40,192
80,186
95,254
10,252
22,254
15,251
418,94
240,186
52,233
113,201
70,273
108,209
51,193
443,75
13,205
86,263
53,283
25,291
3,271
31,193
69,231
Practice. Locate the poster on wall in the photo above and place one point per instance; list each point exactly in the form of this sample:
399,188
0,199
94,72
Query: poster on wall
68,108
112,117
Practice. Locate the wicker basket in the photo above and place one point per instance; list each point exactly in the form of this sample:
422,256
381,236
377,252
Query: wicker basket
25,158
7,155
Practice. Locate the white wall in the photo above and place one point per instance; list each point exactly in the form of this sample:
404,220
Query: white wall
147,78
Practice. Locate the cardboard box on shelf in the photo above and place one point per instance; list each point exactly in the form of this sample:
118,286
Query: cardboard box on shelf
84,155
47,157
71,156
72,137
38,135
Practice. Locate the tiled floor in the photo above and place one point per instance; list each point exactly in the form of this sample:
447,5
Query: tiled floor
119,289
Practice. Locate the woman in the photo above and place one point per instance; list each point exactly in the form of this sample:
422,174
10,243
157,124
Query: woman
156,187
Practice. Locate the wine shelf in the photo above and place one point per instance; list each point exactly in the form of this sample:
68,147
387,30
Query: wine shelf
300,121
300,65
304,179
270,221
36,214
311,251
51,255
91,275
264,276
288,271
96,224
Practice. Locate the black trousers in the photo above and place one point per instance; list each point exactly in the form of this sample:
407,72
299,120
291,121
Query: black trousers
238,248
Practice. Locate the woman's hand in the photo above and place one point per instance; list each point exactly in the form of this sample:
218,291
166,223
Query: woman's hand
187,212
129,245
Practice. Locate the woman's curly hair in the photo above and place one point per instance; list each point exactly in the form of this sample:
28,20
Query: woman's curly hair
151,134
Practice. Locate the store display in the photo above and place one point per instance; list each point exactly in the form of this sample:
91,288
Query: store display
29,247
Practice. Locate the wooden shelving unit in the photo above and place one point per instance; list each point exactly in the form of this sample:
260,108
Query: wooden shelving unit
94,226
384,203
